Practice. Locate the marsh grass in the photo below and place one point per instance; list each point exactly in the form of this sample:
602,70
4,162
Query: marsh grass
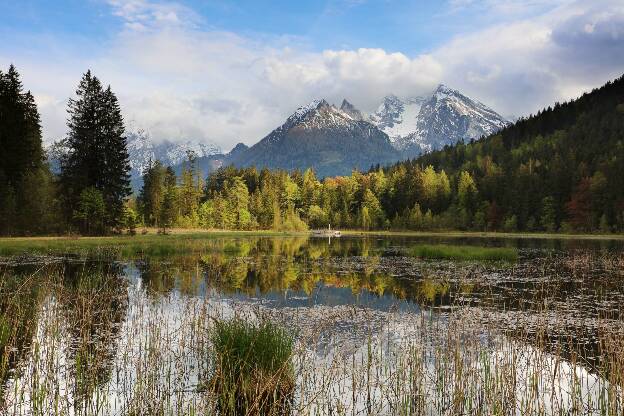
84,342
253,370
475,253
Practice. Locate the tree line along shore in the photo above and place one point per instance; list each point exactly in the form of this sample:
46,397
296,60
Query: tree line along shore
558,171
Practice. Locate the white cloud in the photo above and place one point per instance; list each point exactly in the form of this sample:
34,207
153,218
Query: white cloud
180,80
523,66
143,14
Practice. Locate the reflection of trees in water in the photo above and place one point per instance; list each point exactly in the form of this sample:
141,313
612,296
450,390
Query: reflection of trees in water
277,265
159,278
93,299
251,265
20,300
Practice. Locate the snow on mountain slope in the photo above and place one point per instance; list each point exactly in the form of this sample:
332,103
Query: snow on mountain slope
421,124
397,118
350,109
142,149
333,141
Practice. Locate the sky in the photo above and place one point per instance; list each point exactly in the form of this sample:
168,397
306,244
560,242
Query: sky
224,72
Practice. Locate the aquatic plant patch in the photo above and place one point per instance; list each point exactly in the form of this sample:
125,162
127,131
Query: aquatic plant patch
452,252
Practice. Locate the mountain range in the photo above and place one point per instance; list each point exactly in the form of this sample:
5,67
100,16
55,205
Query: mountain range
333,140
417,125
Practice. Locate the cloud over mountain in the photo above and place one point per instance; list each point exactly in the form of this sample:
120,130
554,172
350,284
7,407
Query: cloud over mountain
183,79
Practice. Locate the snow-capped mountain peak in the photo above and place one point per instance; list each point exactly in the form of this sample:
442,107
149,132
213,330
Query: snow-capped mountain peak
319,135
320,114
421,124
396,117
302,111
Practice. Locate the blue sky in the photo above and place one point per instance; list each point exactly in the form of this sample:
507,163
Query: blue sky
395,25
228,71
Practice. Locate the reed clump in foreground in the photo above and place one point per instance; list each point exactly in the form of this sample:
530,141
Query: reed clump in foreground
253,373
449,252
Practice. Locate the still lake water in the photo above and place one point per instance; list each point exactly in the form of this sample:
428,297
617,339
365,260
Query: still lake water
93,335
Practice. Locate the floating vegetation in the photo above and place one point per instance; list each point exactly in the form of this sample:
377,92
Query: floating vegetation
443,251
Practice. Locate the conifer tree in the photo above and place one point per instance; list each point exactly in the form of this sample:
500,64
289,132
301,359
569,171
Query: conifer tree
97,154
191,186
168,210
24,185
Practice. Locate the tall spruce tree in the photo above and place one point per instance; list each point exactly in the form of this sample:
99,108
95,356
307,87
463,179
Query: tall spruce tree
97,154
24,178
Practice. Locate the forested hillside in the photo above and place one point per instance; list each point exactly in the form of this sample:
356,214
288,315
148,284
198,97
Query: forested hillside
560,170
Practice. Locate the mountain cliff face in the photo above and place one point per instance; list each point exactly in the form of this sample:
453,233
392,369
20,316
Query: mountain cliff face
353,112
332,141
421,124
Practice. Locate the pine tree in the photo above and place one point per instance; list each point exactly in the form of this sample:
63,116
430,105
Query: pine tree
97,155
23,175
116,166
190,187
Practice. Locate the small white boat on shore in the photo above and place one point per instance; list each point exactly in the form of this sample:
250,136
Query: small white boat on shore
326,232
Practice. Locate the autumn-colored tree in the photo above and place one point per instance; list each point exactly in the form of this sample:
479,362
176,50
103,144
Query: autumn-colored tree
579,206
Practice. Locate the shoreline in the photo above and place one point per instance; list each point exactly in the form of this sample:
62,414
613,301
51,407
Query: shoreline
199,233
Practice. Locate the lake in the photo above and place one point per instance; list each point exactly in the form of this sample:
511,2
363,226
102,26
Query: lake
383,325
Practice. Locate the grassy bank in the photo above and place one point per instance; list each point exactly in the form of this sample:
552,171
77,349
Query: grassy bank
191,240
476,234
151,243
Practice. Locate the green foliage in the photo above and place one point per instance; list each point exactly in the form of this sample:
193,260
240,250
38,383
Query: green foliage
152,193
511,224
291,222
91,211
168,209
253,370
97,155
131,220
190,189
467,191
549,214
27,190
317,218
464,252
